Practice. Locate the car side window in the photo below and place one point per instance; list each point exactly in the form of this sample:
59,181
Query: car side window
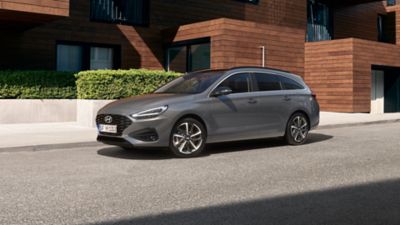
238,83
289,84
267,82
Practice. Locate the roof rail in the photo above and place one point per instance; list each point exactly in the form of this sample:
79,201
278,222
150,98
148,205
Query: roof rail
259,67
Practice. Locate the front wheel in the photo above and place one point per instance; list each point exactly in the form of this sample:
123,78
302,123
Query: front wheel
188,138
297,129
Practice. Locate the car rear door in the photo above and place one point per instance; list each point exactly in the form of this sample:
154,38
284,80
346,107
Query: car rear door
272,104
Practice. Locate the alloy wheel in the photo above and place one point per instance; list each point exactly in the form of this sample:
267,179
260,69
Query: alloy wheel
187,138
299,129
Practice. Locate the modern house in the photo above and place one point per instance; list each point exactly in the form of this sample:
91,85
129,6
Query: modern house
348,51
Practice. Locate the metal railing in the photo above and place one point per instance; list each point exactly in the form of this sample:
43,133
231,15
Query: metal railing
317,32
134,12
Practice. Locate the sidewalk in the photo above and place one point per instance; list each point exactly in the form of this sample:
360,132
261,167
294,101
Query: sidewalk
42,136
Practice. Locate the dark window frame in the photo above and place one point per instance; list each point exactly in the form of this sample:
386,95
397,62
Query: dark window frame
86,46
187,44
384,23
146,16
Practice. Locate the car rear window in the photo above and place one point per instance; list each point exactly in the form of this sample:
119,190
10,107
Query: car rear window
289,84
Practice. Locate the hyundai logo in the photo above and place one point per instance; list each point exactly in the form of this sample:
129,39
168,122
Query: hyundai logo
108,119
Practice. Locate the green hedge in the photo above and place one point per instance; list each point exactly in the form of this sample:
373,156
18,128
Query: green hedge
115,84
37,85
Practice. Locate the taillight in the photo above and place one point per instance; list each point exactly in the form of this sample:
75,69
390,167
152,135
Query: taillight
313,94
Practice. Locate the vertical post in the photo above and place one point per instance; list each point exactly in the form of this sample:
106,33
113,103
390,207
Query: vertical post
397,27
262,56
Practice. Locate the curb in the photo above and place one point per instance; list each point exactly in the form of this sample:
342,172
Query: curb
325,127
36,148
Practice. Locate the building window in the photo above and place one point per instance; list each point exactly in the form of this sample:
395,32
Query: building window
319,21
255,2
130,12
69,57
387,28
189,56
82,56
101,58
391,2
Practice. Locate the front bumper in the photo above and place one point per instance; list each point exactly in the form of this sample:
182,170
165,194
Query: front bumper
136,133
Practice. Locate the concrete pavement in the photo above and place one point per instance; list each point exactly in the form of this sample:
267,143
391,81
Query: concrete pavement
42,136
342,176
38,136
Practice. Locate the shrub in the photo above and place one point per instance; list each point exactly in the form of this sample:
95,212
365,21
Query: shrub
37,85
115,84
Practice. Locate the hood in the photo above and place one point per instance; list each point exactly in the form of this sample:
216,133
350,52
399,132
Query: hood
136,104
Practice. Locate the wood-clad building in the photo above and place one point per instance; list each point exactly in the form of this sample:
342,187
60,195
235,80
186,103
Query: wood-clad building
346,50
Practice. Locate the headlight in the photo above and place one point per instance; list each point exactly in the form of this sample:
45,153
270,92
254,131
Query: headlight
151,113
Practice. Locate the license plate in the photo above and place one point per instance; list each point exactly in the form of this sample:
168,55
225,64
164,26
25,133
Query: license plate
108,128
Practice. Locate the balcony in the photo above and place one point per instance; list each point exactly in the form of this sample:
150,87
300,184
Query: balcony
120,11
21,12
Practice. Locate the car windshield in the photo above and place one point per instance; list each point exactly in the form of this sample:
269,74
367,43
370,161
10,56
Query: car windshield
192,83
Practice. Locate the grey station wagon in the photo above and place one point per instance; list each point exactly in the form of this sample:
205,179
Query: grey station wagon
213,106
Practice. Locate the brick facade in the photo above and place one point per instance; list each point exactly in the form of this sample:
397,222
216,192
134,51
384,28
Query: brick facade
338,70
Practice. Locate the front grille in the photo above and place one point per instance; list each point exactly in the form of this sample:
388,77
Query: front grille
122,123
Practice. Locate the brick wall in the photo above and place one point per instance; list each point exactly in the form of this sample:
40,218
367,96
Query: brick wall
339,71
237,43
50,7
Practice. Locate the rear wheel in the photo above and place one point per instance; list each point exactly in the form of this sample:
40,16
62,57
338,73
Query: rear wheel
297,129
188,138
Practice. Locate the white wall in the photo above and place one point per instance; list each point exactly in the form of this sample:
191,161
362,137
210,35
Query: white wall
37,111
47,111
377,92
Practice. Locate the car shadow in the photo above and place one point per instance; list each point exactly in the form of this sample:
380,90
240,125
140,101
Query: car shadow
220,148
260,144
358,204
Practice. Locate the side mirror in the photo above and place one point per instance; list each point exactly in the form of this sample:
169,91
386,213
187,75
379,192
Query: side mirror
220,91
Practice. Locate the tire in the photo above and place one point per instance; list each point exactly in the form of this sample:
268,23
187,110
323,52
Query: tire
297,129
188,138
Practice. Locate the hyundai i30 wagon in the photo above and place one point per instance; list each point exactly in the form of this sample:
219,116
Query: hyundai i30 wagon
213,106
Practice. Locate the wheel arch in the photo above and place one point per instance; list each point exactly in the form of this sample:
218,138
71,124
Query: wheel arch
193,116
304,112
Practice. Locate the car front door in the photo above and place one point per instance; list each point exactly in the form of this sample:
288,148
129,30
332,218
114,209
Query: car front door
232,116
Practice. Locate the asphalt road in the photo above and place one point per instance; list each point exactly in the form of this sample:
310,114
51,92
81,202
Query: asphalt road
342,176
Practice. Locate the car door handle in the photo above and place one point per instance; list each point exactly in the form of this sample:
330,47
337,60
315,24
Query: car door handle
287,98
252,101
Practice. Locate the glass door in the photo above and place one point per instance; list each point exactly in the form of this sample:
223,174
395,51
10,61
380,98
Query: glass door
319,21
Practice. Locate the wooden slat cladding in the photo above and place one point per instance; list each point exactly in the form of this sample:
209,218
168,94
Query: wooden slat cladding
237,43
49,7
329,73
169,13
339,71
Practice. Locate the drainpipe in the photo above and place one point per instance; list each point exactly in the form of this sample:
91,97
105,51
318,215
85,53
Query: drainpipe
262,56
